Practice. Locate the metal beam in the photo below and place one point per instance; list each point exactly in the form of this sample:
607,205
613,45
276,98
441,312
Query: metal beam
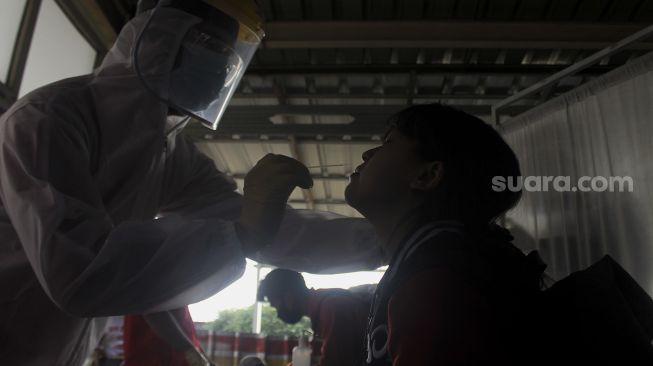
331,201
370,95
446,34
7,97
21,48
205,135
369,120
571,70
419,69
337,177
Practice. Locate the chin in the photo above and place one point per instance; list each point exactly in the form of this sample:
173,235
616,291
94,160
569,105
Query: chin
350,195
353,199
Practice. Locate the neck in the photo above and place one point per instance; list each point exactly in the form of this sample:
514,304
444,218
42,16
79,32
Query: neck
307,301
393,225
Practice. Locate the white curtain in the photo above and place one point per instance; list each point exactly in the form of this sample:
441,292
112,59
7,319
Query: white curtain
603,128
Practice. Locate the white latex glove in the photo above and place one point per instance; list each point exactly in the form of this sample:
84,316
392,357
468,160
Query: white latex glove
267,188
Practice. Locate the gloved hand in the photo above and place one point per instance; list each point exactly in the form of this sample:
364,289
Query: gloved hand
267,188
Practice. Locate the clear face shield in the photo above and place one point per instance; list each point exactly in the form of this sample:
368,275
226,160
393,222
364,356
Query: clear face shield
211,60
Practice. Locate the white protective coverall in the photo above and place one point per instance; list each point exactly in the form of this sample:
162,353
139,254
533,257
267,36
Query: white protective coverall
85,166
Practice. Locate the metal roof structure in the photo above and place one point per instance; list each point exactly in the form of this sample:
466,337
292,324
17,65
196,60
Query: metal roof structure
330,72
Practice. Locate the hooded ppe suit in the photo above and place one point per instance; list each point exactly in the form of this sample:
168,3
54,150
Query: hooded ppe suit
85,165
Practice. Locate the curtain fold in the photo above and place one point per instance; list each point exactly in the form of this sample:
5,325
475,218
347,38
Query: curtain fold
601,129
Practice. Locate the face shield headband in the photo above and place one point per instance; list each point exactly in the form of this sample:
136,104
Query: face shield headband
208,67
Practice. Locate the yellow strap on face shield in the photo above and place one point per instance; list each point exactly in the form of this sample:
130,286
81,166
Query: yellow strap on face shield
247,13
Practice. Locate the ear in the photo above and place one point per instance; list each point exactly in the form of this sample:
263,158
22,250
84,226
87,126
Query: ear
430,175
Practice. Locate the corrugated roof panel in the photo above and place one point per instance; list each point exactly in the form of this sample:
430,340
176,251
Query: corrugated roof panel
443,9
211,150
259,82
254,101
487,56
431,80
464,83
349,155
268,12
514,57
324,56
532,10
299,206
410,9
351,56
349,9
390,80
380,55
644,13
337,188
360,80
561,10
296,195
457,56
498,81
319,189
567,57
379,10
501,10
621,10
319,10
298,56
433,56
288,9
322,81
407,56
239,157
468,9
591,10
267,56
292,81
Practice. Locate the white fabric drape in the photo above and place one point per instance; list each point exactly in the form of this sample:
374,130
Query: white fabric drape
603,128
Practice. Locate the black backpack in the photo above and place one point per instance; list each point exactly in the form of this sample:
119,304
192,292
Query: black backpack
596,316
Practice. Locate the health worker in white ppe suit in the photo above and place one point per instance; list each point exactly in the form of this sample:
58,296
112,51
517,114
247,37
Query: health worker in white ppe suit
87,163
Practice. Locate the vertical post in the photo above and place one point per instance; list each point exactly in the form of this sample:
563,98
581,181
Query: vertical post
258,307
22,46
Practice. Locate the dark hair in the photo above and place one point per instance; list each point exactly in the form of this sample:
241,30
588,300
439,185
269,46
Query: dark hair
472,153
281,281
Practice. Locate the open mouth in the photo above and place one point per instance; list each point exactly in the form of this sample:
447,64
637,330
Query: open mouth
356,171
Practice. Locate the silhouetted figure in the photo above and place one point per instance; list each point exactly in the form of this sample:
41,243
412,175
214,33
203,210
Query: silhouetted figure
457,290
337,316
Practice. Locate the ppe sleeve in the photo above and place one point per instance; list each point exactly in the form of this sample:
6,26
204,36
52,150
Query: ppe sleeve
308,240
323,242
88,265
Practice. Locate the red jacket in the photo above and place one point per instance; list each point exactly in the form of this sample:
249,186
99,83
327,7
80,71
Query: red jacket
144,348
338,318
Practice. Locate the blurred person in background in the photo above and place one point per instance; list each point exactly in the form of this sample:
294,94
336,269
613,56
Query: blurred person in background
338,316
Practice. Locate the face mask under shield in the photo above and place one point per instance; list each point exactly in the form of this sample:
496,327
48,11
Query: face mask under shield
209,65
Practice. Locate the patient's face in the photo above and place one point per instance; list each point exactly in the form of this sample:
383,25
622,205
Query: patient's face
287,306
382,181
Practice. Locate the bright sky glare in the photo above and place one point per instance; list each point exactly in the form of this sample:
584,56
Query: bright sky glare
242,293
